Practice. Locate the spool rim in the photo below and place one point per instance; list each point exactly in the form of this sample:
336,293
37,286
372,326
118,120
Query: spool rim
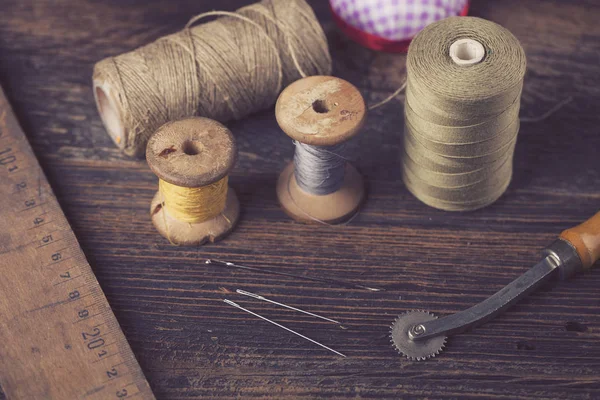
333,208
321,110
191,152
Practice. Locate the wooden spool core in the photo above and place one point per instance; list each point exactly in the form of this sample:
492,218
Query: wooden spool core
105,96
321,111
192,152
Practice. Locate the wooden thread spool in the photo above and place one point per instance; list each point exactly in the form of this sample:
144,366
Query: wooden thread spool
321,111
192,158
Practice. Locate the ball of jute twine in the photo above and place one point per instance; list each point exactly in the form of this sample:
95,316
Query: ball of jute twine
461,116
224,69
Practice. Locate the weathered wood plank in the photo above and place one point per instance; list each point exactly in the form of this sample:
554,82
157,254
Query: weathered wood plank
191,345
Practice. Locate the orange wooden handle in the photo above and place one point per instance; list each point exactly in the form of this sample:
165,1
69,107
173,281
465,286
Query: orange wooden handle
586,239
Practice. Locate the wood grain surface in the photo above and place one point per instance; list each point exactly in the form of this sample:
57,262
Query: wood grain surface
192,345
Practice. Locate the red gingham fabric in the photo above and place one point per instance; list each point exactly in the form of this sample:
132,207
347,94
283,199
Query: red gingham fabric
390,24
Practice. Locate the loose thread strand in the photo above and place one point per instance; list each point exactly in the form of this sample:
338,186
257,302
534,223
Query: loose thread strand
548,113
389,98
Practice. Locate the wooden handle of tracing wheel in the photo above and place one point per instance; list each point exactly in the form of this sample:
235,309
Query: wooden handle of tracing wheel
586,239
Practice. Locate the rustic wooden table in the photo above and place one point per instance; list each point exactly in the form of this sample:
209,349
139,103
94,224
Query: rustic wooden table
192,345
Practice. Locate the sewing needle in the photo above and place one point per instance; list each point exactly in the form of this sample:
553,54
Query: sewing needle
338,282
258,297
282,327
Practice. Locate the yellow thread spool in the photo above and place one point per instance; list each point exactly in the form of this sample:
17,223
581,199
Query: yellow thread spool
194,205
192,158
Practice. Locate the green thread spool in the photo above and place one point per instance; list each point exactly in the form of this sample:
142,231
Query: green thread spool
464,83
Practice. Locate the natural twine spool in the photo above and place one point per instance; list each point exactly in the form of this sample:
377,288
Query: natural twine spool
464,82
224,69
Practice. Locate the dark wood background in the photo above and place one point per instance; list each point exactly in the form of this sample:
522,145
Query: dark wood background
192,345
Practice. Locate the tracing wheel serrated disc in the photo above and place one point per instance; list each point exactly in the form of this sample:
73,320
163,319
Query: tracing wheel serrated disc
417,349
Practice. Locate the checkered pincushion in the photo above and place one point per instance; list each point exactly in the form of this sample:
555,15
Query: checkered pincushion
395,20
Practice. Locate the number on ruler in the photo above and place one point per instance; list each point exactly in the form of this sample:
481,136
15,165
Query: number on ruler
112,373
21,185
94,341
94,344
95,332
6,157
47,239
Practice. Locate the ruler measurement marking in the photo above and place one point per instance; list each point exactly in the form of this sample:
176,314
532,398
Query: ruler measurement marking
121,363
26,187
99,296
57,262
95,326
40,225
86,318
93,391
47,306
90,305
78,298
68,280
39,184
116,330
19,170
85,308
79,287
18,189
117,377
63,249
49,243
32,207
129,384
57,303
107,357
131,388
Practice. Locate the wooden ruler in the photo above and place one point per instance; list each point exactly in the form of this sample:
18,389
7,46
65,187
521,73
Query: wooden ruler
59,338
